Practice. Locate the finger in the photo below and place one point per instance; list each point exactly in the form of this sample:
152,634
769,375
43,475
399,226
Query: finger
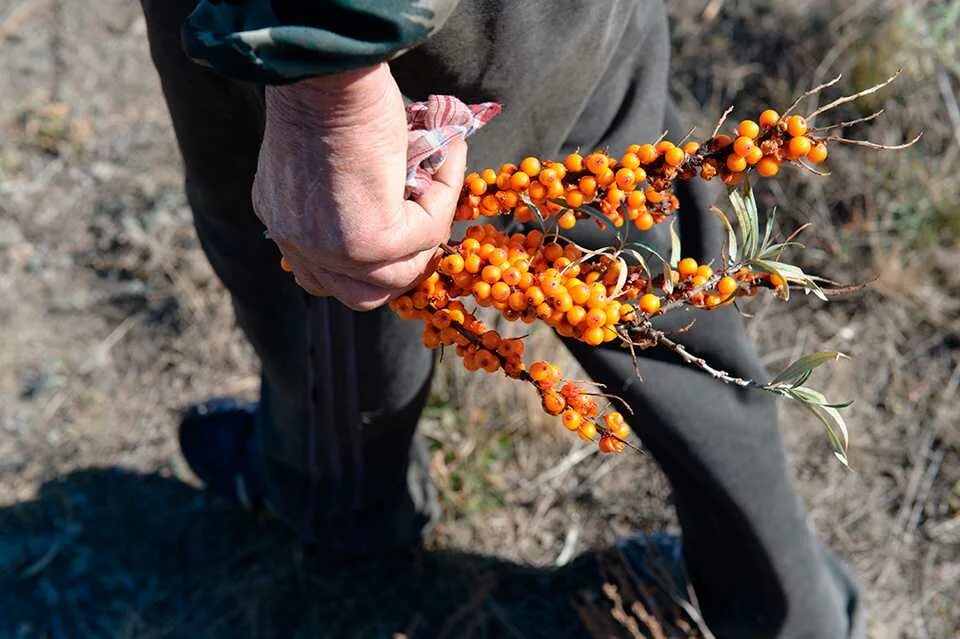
353,293
430,215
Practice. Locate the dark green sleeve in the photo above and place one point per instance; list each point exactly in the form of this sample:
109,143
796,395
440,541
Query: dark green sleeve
280,41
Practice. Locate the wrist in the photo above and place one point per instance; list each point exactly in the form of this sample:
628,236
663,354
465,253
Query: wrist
339,99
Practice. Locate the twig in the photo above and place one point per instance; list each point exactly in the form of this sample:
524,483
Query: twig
850,98
874,145
813,91
807,167
681,351
841,125
723,118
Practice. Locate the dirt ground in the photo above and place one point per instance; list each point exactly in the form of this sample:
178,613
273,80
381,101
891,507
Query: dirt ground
111,321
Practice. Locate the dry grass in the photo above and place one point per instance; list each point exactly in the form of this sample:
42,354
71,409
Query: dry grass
112,320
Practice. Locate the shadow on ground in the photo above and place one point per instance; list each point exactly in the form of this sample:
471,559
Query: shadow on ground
112,553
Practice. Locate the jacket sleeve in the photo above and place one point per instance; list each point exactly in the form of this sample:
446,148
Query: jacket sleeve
281,41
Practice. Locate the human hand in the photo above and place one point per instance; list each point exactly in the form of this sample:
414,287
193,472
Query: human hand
330,188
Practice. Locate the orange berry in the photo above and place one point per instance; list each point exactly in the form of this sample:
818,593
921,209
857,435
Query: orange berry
593,336
799,146
606,177
736,163
754,156
534,295
553,403
674,156
644,222
571,419
653,196
691,147
610,445
490,340
748,128
491,274
818,153
548,176
596,163
452,264
539,370
567,221
743,145
511,276
630,160
647,153
769,118
698,281
500,292
704,271
636,199
649,303
727,286
574,198
598,296
796,125
587,431
285,265
490,204
530,166
687,267
573,162
480,290
721,141
477,186
663,146
588,186
489,176
776,280
713,300
472,263
519,181
595,318
768,166
575,315
537,192
626,179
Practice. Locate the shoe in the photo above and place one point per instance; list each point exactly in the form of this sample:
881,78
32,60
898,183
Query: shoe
656,558
219,442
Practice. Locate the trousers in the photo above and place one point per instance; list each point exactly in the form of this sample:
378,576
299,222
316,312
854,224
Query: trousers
342,391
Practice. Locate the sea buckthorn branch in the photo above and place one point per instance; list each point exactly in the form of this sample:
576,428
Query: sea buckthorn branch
610,294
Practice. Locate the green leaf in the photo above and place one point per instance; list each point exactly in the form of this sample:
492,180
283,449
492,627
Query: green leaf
745,208
804,366
667,271
674,246
830,417
728,251
792,275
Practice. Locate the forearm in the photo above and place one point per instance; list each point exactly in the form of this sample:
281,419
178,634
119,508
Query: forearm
279,42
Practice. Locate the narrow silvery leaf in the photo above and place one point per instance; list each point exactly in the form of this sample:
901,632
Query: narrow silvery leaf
674,246
729,249
805,364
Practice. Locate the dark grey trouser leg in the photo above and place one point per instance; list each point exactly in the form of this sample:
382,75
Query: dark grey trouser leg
342,391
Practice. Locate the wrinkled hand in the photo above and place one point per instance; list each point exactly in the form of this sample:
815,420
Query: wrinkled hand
330,182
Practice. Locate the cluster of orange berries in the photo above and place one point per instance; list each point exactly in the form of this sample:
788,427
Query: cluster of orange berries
447,322
527,278
639,185
763,145
530,276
